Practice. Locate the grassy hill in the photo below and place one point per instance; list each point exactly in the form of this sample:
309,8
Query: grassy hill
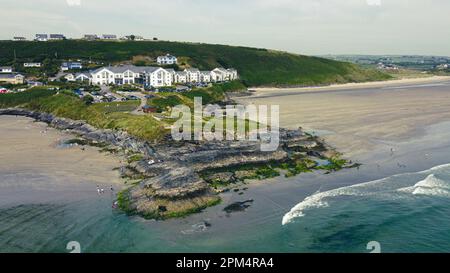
257,67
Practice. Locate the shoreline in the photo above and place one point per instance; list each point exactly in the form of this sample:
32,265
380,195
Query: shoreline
352,86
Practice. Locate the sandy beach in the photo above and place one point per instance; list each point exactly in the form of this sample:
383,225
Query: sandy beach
406,81
32,160
362,118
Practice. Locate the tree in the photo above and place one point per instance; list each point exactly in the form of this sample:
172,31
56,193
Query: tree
88,100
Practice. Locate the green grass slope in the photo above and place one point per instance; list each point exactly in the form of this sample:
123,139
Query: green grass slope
257,67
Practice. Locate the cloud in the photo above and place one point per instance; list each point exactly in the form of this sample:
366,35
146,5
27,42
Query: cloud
72,3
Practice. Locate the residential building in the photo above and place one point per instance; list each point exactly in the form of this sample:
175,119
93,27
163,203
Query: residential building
70,77
109,37
167,60
222,74
193,75
12,78
71,66
205,76
91,37
32,64
19,39
232,74
34,83
181,77
159,77
41,37
219,75
133,38
6,69
57,37
129,74
83,77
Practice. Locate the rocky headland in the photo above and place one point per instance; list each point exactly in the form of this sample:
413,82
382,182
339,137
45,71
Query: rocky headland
174,179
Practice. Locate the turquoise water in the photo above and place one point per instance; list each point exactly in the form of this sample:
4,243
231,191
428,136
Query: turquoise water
404,213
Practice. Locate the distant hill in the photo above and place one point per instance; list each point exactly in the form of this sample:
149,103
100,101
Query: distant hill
257,67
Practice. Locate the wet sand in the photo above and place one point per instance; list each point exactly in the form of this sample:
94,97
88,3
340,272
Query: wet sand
363,120
35,168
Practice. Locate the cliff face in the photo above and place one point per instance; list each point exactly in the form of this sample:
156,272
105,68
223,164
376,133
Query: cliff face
178,177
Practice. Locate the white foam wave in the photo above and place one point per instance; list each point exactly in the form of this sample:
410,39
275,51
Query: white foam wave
387,187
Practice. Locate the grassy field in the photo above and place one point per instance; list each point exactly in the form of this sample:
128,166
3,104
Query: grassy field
257,67
101,115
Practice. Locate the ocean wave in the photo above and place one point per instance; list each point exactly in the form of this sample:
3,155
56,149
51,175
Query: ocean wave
400,186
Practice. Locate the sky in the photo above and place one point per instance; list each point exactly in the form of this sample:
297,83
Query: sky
311,27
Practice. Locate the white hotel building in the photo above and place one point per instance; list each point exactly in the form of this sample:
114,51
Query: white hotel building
157,76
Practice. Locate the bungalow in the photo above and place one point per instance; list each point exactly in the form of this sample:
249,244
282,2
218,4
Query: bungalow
167,60
41,37
6,69
193,75
19,39
133,38
12,78
71,66
32,64
205,76
109,37
90,37
57,37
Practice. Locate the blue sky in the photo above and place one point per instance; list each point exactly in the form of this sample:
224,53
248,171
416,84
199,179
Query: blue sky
300,26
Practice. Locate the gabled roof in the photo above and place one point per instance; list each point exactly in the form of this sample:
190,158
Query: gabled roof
124,68
220,69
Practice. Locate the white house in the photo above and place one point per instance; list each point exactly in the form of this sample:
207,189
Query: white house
129,74
57,37
167,60
82,77
193,75
41,37
159,77
6,69
70,77
222,74
205,76
219,75
232,74
109,37
181,77
32,64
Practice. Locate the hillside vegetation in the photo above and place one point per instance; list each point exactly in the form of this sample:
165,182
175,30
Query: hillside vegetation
257,67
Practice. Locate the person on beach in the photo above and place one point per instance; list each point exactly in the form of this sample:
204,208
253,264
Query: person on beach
98,189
